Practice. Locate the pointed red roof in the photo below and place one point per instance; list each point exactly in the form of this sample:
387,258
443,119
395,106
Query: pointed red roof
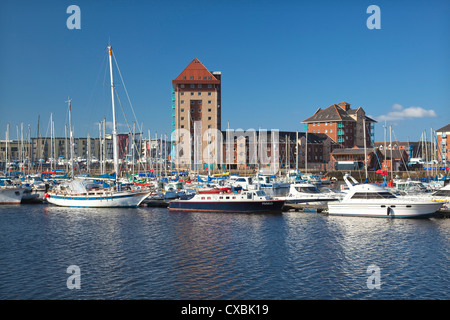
194,73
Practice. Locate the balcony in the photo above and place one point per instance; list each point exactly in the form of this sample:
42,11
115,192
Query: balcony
340,125
340,132
340,140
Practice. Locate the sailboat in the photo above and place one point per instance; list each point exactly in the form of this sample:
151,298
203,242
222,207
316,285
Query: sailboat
83,193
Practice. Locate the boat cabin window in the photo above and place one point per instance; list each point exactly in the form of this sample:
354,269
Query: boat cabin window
442,193
307,189
373,195
260,193
249,195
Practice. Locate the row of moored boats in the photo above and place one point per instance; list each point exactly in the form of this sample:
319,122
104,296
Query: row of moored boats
230,194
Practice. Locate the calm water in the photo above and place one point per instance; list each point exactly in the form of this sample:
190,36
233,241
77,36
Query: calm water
151,253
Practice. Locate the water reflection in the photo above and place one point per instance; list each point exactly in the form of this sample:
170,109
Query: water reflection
151,253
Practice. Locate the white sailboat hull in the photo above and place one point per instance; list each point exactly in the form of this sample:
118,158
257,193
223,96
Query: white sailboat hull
104,200
384,210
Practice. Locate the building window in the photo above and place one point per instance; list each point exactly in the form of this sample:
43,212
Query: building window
182,93
182,86
184,78
199,101
209,118
192,110
192,78
182,126
209,93
192,101
182,110
199,93
209,101
209,126
199,110
326,131
209,110
192,85
331,130
199,85
182,118
182,101
192,93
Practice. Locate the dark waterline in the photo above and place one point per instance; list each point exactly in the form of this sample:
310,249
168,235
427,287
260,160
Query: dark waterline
151,253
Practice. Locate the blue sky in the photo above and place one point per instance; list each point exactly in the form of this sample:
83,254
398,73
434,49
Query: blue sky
280,61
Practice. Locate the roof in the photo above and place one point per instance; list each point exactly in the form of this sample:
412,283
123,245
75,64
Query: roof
444,129
352,151
332,113
335,112
195,73
396,154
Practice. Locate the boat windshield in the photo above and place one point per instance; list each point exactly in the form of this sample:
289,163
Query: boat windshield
311,189
373,195
442,193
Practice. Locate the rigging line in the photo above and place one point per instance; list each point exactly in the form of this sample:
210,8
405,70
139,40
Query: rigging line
403,160
126,92
121,107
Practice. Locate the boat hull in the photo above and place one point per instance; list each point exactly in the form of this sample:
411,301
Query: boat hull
112,200
380,210
11,195
227,206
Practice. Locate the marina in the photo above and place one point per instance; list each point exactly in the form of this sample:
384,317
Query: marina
286,151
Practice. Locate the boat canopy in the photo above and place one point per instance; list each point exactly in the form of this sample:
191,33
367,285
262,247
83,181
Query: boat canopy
81,186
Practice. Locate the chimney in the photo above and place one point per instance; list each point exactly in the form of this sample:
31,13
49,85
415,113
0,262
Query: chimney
344,105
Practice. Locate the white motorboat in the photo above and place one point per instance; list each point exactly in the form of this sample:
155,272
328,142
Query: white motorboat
442,195
371,200
307,193
9,193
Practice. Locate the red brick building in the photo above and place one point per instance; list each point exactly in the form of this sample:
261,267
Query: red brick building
342,124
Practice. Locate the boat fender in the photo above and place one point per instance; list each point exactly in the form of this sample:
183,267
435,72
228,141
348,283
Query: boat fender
47,195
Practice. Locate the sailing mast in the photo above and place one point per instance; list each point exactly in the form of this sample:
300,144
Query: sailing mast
70,136
365,147
114,129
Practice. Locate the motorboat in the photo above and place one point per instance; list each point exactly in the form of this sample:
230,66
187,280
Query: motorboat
442,195
307,193
10,193
372,200
255,201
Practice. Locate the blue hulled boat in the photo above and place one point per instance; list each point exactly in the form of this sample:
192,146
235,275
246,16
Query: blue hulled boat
245,201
